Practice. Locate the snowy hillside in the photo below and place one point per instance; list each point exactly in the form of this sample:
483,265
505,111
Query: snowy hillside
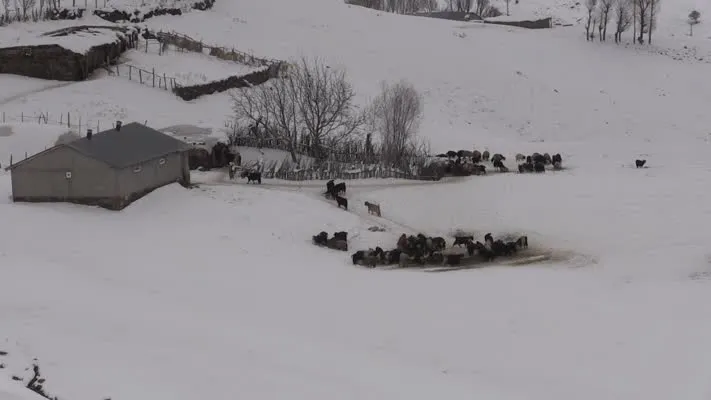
216,292
10,390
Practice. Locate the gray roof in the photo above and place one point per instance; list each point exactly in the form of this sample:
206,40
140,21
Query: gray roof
133,144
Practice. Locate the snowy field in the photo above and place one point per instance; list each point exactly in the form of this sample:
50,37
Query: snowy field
29,33
18,140
188,68
217,292
101,101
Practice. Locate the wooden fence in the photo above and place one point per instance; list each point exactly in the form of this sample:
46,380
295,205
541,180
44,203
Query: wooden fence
144,77
332,170
187,43
190,92
306,175
343,155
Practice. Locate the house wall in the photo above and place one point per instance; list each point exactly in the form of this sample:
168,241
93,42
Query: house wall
44,177
152,175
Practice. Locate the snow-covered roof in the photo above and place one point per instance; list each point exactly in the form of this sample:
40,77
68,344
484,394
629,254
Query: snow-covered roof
79,41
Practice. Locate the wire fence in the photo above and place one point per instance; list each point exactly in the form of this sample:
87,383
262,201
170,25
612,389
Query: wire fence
179,42
74,122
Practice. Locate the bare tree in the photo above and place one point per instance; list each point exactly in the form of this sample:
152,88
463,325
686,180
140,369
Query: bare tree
399,6
605,8
623,18
325,102
653,10
6,7
428,5
480,5
642,15
27,5
396,114
694,19
634,19
313,99
591,6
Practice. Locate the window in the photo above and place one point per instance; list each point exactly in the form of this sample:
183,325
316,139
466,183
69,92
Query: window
161,161
137,169
68,175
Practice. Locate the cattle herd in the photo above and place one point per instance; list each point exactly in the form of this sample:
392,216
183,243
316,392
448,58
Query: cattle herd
335,191
420,250
339,241
464,162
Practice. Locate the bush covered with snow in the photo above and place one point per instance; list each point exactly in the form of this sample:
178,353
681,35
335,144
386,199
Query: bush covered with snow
137,15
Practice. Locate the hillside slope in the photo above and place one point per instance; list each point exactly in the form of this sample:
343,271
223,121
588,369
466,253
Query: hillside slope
217,293
494,85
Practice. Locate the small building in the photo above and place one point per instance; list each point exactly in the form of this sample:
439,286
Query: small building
110,169
70,54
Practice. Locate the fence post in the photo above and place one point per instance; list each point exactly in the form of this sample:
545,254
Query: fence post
146,45
22,116
140,75
154,77
165,82
69,119
129,72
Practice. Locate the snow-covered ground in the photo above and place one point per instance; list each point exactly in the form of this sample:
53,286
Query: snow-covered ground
10,390
17,34
217,291
101,101
20,140
188,68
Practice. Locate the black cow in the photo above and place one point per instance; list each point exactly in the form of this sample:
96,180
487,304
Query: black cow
342,202
252,176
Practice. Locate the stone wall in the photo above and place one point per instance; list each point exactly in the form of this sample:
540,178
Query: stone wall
234,82
119,15
44,62
537,24
66,13
450,15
